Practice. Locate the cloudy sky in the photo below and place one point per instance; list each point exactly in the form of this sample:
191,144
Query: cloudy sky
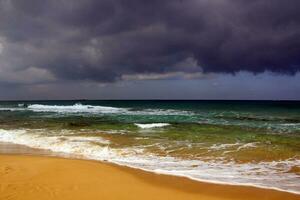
141,49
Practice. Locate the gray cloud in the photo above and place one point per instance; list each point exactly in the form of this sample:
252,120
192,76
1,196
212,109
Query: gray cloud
108,40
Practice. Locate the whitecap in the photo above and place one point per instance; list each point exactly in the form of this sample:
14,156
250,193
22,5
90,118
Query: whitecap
77,108
152,125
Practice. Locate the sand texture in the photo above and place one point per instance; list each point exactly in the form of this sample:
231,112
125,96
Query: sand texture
40,177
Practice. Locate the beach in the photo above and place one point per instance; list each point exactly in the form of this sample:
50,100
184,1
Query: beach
149,100
28,173
40,177
147,149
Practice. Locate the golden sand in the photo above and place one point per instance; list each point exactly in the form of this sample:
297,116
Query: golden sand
38,177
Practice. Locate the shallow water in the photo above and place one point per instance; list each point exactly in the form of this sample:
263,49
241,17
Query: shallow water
235,142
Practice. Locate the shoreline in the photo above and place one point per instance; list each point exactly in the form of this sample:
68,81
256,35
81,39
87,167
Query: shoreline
181,185
20,149
89,176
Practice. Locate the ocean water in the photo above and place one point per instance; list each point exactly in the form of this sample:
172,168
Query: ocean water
231,142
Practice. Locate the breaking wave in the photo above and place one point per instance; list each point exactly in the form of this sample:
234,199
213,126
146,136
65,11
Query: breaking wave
77,108
153,125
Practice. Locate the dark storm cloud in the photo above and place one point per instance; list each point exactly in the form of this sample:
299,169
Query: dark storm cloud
103,40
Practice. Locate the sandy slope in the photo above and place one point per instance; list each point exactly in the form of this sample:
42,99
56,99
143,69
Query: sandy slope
35,177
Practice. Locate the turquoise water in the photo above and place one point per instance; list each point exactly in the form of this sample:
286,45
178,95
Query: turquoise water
233,142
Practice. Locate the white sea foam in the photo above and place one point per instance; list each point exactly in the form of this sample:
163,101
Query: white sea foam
248,145
223,146
291,124
93,109
233,147
85,139
77,108
152,125
263,174
11,109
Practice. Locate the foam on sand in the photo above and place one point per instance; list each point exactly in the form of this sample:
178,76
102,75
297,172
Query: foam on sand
262,174
19,180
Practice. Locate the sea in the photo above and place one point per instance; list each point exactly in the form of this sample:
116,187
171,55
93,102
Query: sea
254,143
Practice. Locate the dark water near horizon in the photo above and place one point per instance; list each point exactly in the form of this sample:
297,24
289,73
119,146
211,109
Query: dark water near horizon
235,142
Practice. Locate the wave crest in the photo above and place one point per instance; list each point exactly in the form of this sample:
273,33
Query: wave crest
152,125
76,108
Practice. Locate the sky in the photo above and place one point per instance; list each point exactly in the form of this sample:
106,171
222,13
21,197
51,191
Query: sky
141,49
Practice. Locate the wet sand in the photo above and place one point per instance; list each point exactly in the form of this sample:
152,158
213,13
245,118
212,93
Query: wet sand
42,177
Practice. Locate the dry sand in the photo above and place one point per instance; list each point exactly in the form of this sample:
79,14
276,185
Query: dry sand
39,177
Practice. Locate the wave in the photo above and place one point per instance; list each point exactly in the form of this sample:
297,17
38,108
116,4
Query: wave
92,109
11,109
77,108
152,125
132,115
258,117
263,174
